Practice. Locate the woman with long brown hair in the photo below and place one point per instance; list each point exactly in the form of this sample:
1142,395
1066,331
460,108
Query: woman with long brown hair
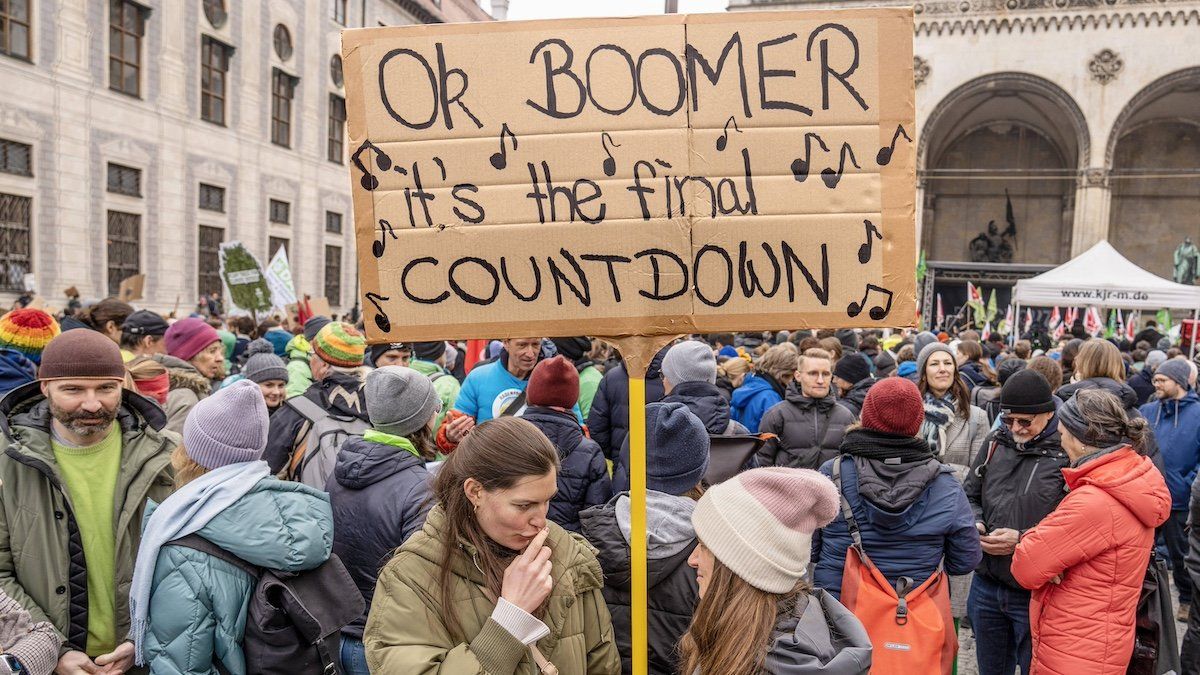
489,584
953,427
758,613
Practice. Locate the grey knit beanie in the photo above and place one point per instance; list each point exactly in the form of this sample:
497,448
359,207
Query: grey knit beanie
261,368
1176,369
690,361
400,400
923,339
931,349
1155,359
228,427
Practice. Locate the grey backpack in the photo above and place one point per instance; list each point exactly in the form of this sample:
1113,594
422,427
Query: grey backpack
316,452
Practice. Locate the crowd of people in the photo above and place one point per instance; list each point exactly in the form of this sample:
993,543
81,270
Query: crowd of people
159,476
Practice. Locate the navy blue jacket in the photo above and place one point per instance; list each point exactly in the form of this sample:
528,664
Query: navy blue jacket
380,495
1176,425
583,479
1142,384
608,421
15,370
917,514
707,402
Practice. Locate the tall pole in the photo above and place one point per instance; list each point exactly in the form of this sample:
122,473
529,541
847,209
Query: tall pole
637,518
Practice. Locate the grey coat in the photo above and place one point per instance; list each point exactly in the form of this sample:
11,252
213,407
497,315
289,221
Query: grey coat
819,636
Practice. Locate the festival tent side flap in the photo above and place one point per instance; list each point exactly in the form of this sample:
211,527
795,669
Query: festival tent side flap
1104,278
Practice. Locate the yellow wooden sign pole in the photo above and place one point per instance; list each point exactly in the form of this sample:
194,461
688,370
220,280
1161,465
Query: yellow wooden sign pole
637,519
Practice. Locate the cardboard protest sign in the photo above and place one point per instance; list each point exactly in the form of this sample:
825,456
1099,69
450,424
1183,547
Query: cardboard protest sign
243,278
634,177
131,288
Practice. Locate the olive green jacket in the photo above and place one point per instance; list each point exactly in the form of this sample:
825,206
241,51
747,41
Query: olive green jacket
41,554
406,632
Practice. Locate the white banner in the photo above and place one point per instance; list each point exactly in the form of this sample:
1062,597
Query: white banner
279,279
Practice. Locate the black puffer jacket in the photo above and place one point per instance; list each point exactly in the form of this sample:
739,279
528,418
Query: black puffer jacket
582,474
854,399
1016,487
608,421
380,495
708,403
341,393
671,583
808,431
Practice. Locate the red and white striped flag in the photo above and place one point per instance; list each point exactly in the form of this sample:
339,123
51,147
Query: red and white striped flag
940,315
974,294
1028,320
1131,326
1055,320
1009,319
1092,322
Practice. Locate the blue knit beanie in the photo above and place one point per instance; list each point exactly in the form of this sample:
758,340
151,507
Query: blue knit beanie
676,448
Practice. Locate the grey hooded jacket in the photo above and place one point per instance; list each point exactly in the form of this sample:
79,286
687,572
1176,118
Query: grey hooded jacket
819,636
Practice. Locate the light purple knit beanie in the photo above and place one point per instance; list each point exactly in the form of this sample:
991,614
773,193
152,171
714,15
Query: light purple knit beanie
760,523
228,427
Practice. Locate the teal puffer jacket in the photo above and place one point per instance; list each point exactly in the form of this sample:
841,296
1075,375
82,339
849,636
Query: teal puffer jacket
198,603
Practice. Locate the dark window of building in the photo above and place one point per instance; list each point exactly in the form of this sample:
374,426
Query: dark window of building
15,238
208,278
123,258
212,198
124,180
283,42
333,275
276,243
337,128
339,11
280,212
215,11
333,222
126,26
335,71
16,158
283,89
14,28
214,65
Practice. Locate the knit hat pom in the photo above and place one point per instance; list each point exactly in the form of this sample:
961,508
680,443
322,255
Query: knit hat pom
259,346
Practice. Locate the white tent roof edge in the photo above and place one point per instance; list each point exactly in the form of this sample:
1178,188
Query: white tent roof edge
1104,278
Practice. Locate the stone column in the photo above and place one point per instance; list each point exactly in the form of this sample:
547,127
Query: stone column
1093,198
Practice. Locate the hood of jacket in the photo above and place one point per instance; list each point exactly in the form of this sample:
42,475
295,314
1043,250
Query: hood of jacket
279,525
15,370
906,369
183,375
803,402
298,348
1122,391
361,463
343,393
668,528
1129,478
705,401
858,393
819,635
426,368
1169,410
752,386
892,487
561,428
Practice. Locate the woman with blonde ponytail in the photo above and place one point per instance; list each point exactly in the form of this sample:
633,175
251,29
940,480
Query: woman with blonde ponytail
758,612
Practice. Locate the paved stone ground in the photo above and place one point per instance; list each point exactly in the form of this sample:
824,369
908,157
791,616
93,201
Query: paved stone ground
966,643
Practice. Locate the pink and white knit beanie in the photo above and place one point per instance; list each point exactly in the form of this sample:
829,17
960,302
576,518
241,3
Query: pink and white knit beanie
760,523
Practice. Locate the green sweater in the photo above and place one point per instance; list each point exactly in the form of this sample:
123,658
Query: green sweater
90,476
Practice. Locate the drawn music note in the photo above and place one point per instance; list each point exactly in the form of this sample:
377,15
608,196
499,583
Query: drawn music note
877,312
368,180
873,233
500,159
381,318
724,139
832,177
610,164
800,166
885,154
380,245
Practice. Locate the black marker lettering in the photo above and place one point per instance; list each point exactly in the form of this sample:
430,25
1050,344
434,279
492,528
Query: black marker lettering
707,248
826,70
764,73
404,282
462,293
695,58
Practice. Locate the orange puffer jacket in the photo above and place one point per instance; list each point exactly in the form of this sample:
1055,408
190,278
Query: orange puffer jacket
1099,540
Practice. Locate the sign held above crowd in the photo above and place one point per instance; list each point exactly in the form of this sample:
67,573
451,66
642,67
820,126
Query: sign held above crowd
634,177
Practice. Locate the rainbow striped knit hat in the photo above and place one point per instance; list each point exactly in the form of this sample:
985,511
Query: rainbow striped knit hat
28,331
340,344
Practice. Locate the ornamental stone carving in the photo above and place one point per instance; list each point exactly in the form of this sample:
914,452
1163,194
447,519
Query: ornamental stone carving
920,70
1105,66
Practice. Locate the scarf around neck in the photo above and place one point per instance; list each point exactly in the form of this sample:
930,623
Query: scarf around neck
939,411
881,445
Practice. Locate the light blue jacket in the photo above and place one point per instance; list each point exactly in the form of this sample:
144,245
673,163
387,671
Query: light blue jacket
198,603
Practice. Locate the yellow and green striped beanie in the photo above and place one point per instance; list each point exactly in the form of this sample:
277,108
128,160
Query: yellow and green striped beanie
340,344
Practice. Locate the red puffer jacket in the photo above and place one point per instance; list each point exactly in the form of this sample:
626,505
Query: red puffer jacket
1099,540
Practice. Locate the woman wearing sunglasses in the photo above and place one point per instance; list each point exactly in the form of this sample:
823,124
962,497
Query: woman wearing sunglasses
1014,482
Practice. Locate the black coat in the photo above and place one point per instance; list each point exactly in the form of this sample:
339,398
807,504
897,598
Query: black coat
582,474
608,421
380,495
343,394
796,424
1142,385
854,399
708,403
1015,488
672,592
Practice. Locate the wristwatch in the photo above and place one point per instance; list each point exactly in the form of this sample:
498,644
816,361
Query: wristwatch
9,665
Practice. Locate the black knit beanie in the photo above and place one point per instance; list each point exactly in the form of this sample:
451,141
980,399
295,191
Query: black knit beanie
1026,393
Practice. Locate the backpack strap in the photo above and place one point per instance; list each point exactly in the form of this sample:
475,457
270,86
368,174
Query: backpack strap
437,376
307,409
198,543
514,406
847,512
979,470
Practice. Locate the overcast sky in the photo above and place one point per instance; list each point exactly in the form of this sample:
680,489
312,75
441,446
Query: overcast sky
561,9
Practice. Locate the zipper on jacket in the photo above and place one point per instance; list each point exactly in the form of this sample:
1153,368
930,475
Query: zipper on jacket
1032,473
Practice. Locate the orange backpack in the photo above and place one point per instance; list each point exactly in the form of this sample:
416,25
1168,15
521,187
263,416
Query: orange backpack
911,629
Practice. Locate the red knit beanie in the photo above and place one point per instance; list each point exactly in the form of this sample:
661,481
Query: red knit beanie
554,383
894,405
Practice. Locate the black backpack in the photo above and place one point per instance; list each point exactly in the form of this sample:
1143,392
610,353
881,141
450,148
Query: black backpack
294,619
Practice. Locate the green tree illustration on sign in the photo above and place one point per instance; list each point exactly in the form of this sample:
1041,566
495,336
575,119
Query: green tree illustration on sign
244,278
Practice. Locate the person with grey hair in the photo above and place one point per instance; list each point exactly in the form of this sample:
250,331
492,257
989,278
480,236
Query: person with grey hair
1142,381
380,489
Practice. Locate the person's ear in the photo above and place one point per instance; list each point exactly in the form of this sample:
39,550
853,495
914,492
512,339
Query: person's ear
474,491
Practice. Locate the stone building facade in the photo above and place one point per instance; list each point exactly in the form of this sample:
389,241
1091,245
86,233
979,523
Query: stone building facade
1087,112
135,137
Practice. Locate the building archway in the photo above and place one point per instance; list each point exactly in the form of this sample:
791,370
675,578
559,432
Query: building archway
1011,132
1154,158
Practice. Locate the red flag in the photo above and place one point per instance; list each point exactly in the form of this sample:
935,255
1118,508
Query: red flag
1028,320
940,316
1055,320
1092,323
